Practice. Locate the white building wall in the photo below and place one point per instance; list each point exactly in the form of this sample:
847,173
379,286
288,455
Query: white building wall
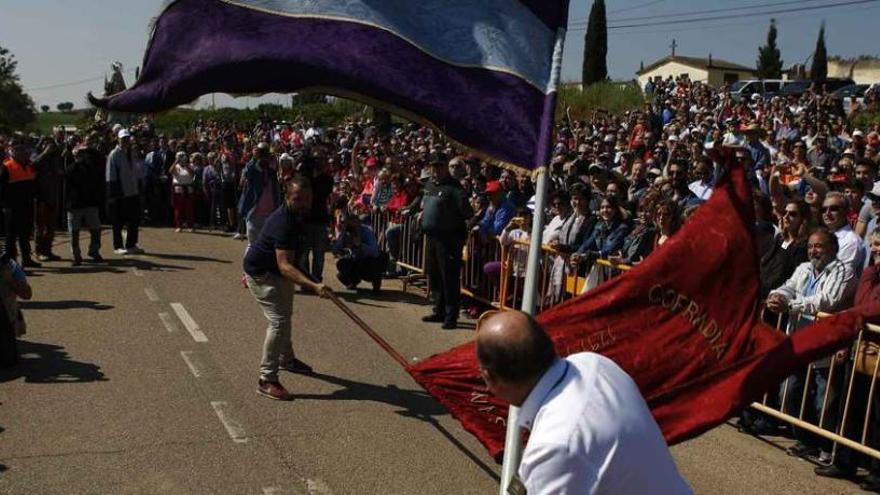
674,69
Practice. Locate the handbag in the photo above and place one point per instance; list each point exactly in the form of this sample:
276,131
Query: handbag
866,357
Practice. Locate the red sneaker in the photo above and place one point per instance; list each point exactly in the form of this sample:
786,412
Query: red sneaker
273,390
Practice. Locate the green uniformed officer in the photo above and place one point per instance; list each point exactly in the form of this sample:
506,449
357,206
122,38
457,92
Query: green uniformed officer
445,211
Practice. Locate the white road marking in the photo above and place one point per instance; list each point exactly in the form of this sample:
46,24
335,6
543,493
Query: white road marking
318,487
168,322
191,326
137,273
151,294
191,364
313,487
236,432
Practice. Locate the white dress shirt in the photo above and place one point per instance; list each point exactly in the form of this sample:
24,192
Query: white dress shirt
851,251
592,433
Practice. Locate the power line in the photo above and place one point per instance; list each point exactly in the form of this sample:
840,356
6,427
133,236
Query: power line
710,11
743,15
748,14
790,18
72,83
634,7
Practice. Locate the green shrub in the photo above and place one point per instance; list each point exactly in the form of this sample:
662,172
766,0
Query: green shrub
615,97
864,120
181,120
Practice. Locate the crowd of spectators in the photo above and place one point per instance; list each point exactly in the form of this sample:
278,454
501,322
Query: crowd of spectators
620,185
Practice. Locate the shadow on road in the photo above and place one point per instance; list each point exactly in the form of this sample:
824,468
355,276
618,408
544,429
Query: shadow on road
2,466
82,269
367,297
72,304
414,404
186,257
48,363
147,266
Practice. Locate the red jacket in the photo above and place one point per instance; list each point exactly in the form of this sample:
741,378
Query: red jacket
869,289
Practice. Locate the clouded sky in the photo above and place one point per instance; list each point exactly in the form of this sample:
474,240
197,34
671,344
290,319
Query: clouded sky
65,47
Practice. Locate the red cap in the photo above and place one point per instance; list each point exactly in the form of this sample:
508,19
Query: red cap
372,161
493,187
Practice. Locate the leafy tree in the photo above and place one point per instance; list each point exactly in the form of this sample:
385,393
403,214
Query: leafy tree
16,107
64,106
819,69
596,45
769,60
45,108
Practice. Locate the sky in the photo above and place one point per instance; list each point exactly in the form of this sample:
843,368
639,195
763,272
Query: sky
64,48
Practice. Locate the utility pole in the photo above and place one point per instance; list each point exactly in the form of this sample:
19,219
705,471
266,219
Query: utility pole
673,45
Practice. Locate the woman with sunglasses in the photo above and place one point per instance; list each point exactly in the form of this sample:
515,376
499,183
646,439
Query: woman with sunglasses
795,228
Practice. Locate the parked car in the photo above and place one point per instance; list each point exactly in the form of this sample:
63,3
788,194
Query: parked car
798,88
857,90
747,88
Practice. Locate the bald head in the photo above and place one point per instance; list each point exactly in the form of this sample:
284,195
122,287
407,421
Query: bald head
513,347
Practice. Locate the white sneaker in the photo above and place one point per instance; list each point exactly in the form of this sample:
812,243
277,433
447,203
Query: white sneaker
238,237
120,251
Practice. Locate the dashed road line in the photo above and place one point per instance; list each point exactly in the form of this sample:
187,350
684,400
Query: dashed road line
189,323
151,294
318,487
233,428
168,322
191,364
312,487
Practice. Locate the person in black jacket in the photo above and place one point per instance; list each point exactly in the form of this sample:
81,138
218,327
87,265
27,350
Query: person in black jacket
49,165
776,263
85,192
445,211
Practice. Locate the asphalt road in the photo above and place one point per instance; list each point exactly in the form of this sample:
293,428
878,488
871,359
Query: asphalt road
139,376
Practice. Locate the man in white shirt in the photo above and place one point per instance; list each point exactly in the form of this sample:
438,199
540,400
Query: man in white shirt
591,431
123,196
822,284
834,215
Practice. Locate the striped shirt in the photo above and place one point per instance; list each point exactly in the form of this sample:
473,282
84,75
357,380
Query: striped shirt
811,292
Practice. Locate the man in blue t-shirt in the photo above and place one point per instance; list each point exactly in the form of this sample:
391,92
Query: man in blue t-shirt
271,272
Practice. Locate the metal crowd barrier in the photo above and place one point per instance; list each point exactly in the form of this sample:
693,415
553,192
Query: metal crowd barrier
410,255
475,282
849,409
558,280
379,221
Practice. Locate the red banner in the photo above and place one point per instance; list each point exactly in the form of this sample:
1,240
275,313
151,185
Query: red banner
684,324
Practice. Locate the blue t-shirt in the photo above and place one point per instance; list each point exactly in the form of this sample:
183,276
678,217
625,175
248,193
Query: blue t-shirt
282,230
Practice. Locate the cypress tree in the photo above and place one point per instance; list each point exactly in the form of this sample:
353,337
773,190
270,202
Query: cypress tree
596,45
769,60
819,69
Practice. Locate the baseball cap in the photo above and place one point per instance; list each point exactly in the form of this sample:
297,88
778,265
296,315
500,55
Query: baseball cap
123,133
493,187
372,162
874,194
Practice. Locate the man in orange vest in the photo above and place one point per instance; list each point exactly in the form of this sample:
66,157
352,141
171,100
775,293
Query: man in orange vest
18,177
